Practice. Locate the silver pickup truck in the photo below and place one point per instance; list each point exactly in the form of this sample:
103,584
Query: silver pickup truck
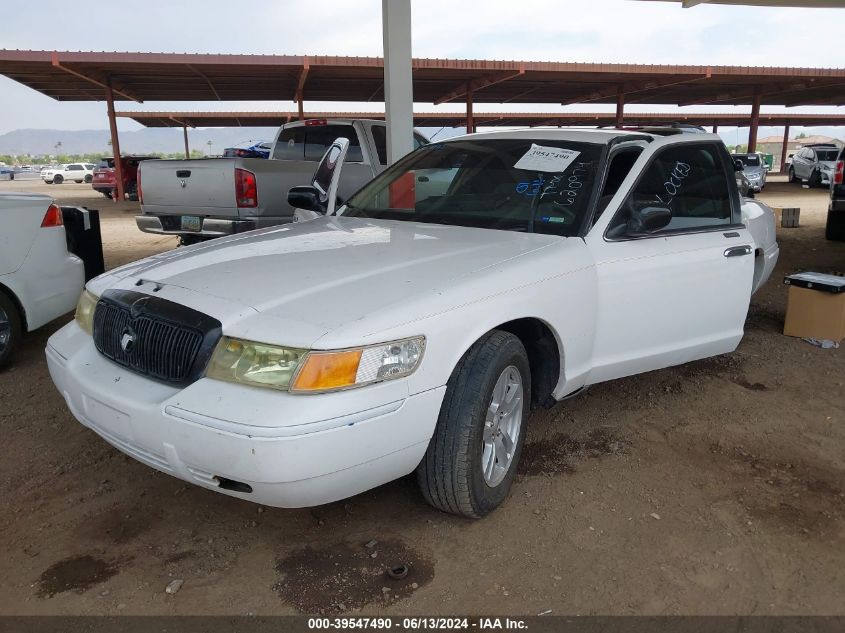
210,197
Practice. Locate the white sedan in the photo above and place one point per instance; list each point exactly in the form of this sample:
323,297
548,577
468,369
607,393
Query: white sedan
39,279
414,328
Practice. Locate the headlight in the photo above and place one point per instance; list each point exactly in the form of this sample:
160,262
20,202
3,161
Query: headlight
85,310
254,364
301,371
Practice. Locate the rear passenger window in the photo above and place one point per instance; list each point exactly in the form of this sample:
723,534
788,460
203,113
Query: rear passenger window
290,144
318,139
379,133
689,180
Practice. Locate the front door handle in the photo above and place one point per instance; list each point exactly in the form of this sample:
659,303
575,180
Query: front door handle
738,251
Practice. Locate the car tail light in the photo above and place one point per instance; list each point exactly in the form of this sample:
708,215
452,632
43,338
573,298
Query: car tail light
138,186
53,217
246,191
316,122
839,175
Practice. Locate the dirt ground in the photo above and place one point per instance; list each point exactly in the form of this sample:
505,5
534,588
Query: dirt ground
712,488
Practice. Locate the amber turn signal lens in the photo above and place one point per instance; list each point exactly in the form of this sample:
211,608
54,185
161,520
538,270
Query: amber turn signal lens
328,370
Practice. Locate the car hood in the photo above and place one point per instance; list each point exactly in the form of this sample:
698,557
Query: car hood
332,271
753,171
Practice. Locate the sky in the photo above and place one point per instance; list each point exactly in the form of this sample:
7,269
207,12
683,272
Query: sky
626,31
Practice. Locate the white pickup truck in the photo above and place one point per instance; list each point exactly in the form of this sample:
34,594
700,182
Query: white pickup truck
210,197
415,327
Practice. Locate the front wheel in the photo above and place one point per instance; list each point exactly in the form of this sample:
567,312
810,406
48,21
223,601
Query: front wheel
792,177
471,460
57,180
10,328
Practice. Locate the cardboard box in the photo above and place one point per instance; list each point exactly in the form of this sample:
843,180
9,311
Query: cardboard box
787,217
815,313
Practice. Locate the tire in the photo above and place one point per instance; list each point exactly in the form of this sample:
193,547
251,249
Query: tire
815,179
792,177
89,179
57,180
132,191
451,475
107,194
10,328
12,176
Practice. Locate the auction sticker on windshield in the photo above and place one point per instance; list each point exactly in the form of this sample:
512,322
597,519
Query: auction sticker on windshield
542,158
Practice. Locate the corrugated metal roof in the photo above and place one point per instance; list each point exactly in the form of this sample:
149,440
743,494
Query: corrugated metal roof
81,76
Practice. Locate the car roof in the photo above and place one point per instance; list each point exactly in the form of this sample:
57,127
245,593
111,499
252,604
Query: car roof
602,136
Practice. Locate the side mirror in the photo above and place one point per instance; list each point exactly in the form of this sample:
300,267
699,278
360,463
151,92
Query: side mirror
306,197
648,218
738,166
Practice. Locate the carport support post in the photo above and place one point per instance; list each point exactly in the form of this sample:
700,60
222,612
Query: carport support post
115,143
470,119
715,129
784,149
185,134
755,122
398,88
620,107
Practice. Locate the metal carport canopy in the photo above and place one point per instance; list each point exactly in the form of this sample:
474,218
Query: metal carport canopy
488,119
81,76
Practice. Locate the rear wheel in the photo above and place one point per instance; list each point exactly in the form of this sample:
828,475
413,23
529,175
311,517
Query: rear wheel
471,460
132,191
57,180
89,179
107,194
10,328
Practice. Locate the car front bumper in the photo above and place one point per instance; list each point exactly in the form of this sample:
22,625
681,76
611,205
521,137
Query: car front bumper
213,433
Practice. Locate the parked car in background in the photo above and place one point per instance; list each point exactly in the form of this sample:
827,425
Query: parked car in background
7,172
251,149
75,172
209,197
814,164
755,169
39,279
416,327
104,180
835,227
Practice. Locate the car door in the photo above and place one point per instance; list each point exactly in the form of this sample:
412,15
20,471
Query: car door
805,158
326,180
678,293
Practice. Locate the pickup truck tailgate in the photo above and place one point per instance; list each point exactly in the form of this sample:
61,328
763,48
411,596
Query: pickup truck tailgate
202,186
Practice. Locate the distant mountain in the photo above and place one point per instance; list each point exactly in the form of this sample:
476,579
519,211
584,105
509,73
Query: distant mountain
166,140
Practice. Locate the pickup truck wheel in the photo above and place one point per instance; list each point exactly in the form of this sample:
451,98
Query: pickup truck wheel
57,180
10,328
471,460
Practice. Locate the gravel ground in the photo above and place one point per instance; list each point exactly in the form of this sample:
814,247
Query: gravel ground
716,487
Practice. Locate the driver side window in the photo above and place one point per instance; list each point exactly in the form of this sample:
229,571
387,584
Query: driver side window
688,180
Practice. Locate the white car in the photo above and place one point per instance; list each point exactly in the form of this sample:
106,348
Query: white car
77,172
39,279
414,328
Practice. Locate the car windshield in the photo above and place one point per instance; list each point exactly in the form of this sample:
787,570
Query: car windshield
541,186
749,160
827,154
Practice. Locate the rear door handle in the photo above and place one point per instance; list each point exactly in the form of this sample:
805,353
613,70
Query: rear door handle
738,251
